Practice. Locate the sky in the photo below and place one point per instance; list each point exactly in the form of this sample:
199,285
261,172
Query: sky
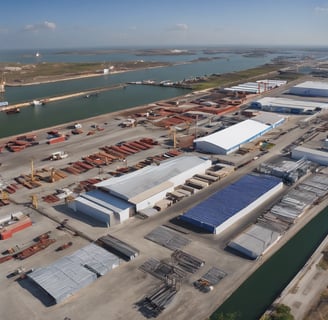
121,23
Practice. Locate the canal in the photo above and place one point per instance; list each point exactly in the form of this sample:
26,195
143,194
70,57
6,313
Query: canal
56,113
259,291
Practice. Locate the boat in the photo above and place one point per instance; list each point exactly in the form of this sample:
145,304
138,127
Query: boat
90,95
38,102
13,111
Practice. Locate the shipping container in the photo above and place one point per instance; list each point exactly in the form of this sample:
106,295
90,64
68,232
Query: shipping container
9,230
56,140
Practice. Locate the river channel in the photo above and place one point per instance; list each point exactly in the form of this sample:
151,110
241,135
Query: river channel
32,118
258,292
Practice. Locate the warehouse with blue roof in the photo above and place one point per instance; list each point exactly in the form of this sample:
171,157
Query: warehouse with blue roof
232,203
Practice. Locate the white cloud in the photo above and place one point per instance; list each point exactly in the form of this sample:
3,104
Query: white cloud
321,9
179,27
46,25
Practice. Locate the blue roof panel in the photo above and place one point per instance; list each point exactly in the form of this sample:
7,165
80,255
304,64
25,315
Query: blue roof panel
221,206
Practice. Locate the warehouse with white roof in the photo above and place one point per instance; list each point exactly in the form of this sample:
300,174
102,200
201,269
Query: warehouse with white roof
285,105
103,207
232,138
118,198
146,186
257,87
310,89
317,156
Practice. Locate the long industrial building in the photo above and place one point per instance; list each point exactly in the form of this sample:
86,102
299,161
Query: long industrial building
317,156
285,105
310,89
232,138
230,204
118,198
257,87
66,276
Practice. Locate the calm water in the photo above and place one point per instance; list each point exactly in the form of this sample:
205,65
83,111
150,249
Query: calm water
257,293
32,118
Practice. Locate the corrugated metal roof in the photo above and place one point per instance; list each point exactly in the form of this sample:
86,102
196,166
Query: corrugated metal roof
308,151
224,204
235,135
106,200
269,118
151,192
112,243
67,275
95,257
62,278
135,183
254,241
93,205
312,85
291,103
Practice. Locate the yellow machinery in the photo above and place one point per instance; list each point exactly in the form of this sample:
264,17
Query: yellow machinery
4,195
34,201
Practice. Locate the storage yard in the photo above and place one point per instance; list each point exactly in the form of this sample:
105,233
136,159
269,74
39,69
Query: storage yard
121,216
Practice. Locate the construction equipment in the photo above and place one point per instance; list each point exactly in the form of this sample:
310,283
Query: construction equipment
4,195
34,201
32,170
173,133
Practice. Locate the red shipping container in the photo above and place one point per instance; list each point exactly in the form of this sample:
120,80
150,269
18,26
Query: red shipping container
9,230
56,140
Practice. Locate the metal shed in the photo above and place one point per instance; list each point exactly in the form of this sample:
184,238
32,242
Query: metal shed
119,247
314,155
228,205
69,274
254,241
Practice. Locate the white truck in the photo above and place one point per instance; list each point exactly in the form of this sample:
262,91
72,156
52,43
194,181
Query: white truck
58,155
